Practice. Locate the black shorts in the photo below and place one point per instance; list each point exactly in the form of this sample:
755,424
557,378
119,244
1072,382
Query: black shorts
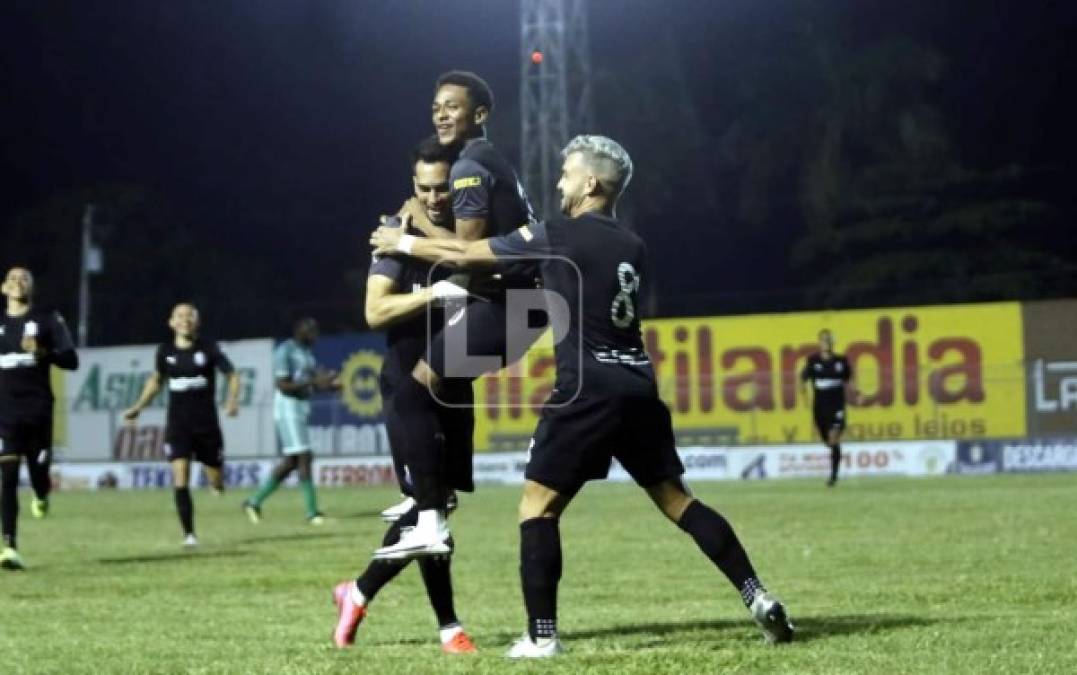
487,335
574,443
458,425
828,418
31,437
204,445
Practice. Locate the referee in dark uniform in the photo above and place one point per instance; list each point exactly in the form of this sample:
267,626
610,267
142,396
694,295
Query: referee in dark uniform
605,401
30,342
827,375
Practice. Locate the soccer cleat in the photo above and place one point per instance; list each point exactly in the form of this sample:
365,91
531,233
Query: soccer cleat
39,508
525,648
316,519
396,511
190,541
459,644
769,613
253,511
416,543
10,560
350,615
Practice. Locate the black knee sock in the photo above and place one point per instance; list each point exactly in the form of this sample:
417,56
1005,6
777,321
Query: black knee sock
9,501
380,572
38,466
540,572
715,537
437,578
835,460
424,443
185,509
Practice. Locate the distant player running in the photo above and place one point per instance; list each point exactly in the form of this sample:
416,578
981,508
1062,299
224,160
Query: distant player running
298,378
830,376
605,400
398,295
30,342
187,365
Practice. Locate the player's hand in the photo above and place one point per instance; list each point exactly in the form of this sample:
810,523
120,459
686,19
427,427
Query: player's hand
131,414
29,344
385,240
445,290
323,379
231,408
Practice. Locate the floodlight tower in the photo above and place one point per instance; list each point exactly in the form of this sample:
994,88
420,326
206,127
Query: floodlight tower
555,92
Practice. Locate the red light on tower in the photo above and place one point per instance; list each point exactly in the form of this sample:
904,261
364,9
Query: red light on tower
536,57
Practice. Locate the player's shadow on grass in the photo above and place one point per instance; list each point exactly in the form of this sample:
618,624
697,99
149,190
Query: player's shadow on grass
808,628
298,536
171,557
360,514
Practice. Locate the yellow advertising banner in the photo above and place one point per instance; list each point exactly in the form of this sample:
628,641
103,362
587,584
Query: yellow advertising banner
951,371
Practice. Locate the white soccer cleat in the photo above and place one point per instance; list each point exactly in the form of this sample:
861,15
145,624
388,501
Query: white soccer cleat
190,541
417,543
397,511
543,648
770,614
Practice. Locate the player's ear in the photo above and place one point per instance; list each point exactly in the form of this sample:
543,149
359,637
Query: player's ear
482,113
592,186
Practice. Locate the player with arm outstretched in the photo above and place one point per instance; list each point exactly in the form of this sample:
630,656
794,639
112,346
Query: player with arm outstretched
298,377
404,298
829,378
30,342
605,400
188,366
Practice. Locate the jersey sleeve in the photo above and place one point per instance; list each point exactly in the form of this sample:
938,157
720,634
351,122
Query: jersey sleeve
61,346
387,265
523,241
847,371
805,372
282,367
220,360
471,186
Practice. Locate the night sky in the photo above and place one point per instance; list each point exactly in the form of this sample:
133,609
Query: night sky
278,130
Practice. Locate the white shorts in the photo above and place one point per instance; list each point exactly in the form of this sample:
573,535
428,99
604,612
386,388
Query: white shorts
293,427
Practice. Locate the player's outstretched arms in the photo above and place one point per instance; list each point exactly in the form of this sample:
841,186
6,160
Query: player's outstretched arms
393,240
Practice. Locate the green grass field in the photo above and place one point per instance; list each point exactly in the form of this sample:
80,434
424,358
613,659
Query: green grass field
951,575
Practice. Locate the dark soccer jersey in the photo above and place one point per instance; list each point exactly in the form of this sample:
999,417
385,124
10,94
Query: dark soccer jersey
406,340
597,272
24,378
484,185
828,378
190,375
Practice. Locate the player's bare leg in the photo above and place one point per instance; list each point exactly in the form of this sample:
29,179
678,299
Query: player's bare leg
716,538
9,512
540,569
181,476
833,441
215,476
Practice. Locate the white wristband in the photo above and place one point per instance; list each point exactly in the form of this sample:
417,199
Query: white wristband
405,243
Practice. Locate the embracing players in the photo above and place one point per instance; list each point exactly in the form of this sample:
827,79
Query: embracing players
402,295
605,401
830,376
188,366
487,200
30,342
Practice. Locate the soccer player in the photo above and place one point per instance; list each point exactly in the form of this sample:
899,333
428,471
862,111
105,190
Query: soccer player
398,295
605,400
298,377
830,376
31,340
187,365
487,200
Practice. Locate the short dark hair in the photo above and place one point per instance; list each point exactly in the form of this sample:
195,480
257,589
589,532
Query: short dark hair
477,90
430,151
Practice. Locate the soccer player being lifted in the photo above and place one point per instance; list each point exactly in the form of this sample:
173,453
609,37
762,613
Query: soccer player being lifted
830,378
402,295
30,342
298,378
605,400
487,200
188,365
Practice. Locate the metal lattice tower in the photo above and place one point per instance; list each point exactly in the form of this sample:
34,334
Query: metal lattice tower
555,92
